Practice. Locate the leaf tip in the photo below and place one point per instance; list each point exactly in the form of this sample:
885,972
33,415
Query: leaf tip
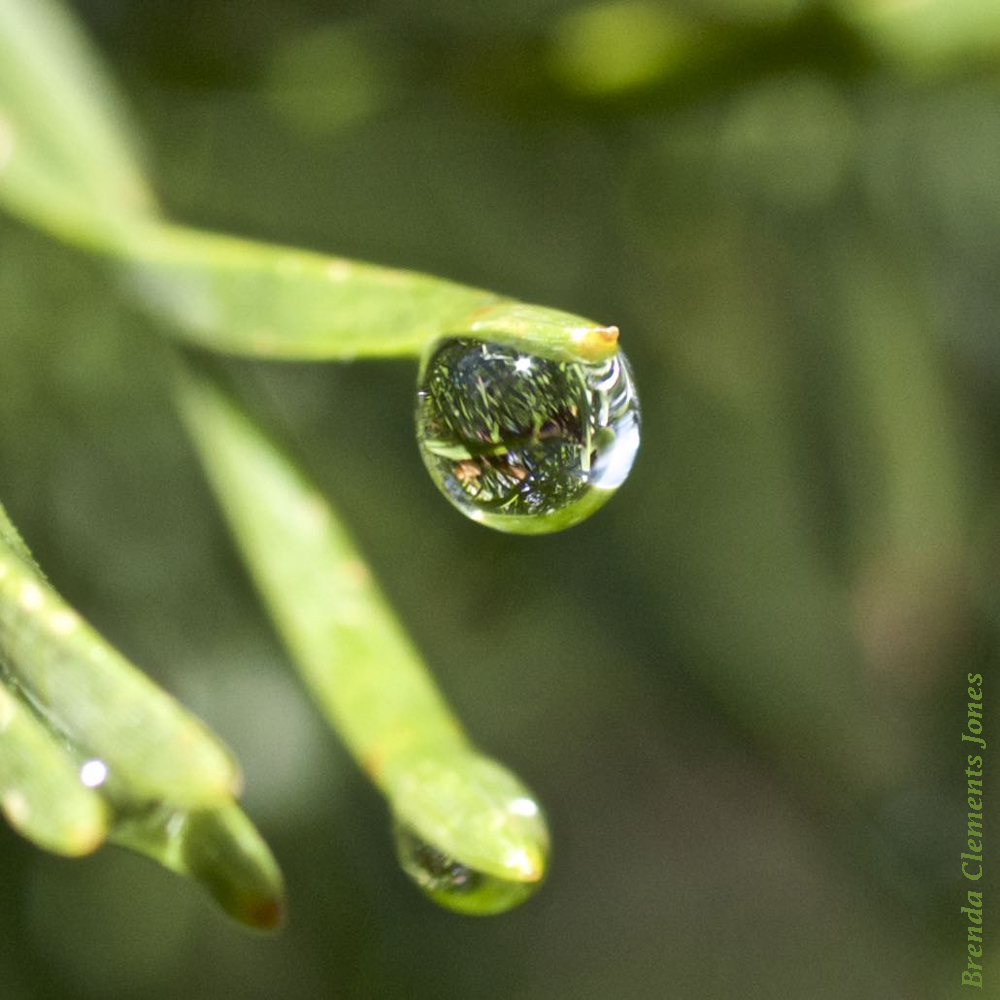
595,343
264,914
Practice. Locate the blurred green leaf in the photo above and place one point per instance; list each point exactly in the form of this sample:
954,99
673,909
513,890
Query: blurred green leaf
89,748
59,114
617,46
353,653
102,704
930,35
41,794
66,166
40,789
219,848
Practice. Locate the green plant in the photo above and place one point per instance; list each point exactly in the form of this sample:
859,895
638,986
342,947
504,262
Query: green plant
91,750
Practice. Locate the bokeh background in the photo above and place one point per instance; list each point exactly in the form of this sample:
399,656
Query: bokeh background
740,688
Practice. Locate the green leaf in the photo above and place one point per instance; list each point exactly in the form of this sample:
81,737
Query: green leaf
242,297
220,849
60,114
67,166
41,794
163,785
354,655
97,701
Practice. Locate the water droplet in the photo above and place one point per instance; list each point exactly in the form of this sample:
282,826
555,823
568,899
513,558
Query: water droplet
93,773
522,443
455,885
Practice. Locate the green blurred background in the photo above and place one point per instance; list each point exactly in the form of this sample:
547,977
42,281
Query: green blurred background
740,689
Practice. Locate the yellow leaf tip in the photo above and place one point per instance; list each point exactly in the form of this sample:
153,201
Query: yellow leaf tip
594,343
85,839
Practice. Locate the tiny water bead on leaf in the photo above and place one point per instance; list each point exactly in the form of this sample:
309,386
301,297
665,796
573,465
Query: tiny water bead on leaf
468,831
454,885
523,443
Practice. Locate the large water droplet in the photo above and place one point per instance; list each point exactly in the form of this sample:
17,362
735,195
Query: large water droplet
453,884
523,443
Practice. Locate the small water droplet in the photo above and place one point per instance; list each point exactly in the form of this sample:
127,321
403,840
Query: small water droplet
453,884
522,443
93,773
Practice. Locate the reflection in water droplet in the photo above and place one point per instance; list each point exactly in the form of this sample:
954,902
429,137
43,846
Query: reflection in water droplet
454,885
433,869
521,443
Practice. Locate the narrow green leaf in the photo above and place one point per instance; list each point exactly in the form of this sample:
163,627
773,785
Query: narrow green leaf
219,848
56,100
66,166
154,768
242,297
357,660
41,793
351,648
35,191
102,705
